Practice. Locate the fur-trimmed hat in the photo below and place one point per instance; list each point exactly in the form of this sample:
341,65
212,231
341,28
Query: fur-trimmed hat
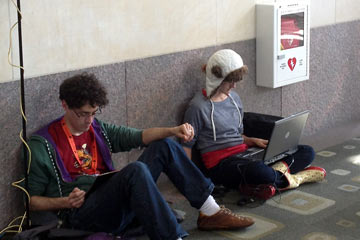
219,65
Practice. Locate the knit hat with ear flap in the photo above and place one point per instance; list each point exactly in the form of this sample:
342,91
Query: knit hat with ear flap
219,65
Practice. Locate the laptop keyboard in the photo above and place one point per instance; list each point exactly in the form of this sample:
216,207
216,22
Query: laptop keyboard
275,159
258,154
254,151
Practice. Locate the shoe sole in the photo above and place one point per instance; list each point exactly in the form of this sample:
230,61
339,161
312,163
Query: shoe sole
223,228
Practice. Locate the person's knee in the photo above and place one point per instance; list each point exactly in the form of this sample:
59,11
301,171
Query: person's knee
307,151
268,175
260,173
137,169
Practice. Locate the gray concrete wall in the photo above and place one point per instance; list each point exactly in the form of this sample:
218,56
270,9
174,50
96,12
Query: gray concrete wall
154,92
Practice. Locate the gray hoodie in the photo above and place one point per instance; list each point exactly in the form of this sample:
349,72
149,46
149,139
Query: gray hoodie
217,125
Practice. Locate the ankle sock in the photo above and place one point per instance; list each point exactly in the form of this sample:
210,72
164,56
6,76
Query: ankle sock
209,207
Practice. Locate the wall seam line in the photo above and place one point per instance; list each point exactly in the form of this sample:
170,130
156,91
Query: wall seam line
126,103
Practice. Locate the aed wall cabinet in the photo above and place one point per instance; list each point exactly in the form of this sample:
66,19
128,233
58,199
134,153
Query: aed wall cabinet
282,43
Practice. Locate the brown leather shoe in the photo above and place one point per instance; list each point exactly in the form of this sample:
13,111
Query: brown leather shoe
224,219
261,191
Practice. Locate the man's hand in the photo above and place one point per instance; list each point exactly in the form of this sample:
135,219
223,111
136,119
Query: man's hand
258,142
76,198
184,132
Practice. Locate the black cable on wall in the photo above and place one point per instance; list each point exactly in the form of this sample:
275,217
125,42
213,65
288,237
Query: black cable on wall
22,92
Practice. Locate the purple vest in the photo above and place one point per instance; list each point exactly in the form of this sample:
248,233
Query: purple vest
100,141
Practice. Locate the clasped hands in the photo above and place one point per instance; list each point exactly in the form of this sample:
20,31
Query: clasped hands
185,132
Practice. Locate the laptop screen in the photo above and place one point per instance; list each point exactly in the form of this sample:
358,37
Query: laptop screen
286,134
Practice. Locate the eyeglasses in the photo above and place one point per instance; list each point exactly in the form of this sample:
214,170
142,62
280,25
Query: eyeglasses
87,114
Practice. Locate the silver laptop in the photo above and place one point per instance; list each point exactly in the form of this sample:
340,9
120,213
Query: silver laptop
283,141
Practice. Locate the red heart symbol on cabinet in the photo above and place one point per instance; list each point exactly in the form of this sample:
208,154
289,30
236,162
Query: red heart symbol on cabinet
292,63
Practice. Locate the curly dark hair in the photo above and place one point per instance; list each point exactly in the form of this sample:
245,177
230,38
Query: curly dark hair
83,89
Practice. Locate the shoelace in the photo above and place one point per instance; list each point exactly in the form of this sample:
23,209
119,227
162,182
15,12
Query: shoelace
229,212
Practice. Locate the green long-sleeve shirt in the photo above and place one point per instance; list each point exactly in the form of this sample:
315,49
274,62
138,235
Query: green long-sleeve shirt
47,176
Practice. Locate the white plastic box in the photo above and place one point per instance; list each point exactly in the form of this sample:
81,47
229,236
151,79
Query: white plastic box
282,42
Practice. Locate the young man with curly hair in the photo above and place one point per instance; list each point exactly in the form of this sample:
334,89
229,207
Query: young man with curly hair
71,151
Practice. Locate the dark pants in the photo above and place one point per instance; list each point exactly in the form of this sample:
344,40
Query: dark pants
133,192
232,171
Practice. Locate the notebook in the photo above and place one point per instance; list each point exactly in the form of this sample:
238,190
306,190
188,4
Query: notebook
284,140
100,180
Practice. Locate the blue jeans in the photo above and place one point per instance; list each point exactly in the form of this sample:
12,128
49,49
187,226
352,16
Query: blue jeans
233,171
133,192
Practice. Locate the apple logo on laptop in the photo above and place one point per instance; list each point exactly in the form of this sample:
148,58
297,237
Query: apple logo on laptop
287,134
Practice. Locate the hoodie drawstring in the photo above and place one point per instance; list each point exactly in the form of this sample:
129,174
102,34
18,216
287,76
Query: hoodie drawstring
237,108
212,119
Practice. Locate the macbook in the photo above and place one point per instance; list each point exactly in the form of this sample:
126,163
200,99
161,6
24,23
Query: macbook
283,141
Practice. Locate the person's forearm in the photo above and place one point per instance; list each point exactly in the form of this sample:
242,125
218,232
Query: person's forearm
39,203
152,134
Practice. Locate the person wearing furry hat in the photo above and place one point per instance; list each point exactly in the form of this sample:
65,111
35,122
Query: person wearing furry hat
216,115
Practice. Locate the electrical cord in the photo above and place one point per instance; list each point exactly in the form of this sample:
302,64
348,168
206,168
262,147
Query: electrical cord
248,201
242,170
10,38
282,175
11,226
